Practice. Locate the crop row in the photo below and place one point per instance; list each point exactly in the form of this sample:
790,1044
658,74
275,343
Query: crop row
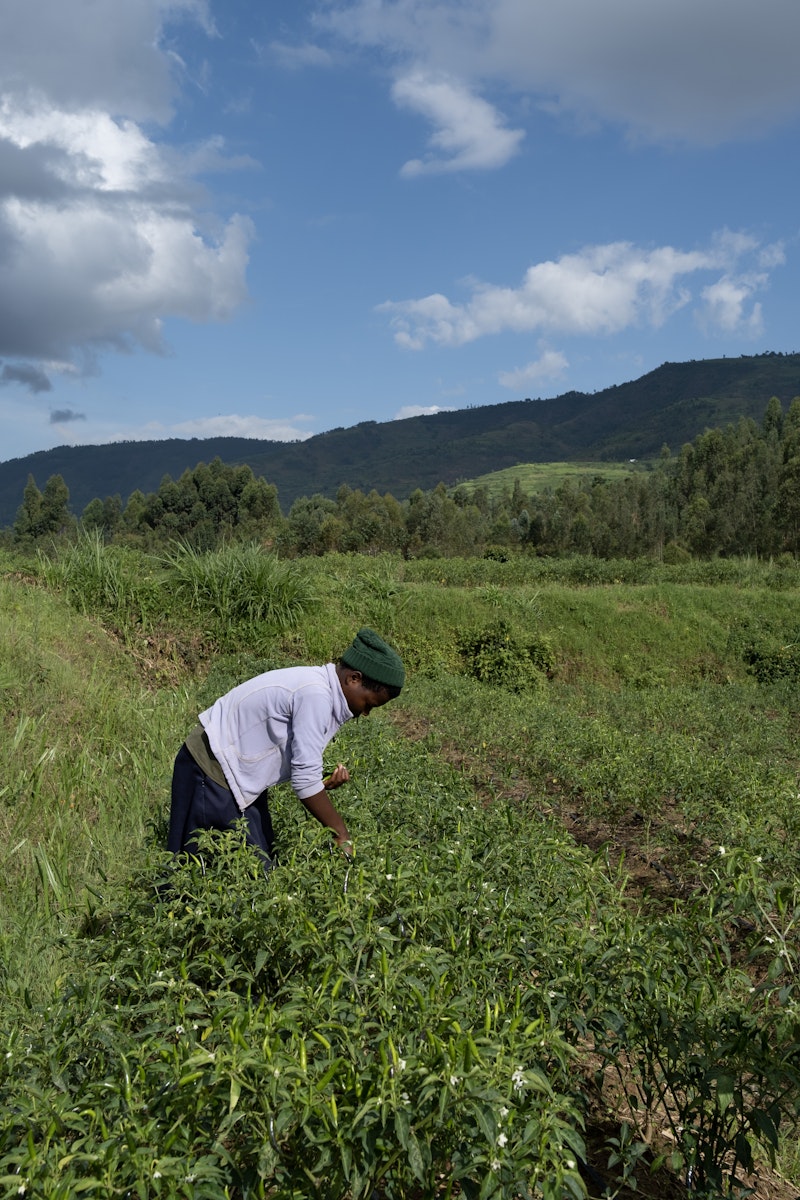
429,1019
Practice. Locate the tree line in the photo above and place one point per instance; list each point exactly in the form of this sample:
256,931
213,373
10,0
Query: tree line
731,491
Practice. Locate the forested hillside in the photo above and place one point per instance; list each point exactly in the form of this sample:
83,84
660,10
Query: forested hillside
732,491
671,405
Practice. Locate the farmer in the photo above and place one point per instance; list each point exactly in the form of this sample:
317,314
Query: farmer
273,729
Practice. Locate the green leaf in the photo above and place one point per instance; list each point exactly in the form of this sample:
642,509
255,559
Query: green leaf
402,1127
415,1157
725,1090
763,1122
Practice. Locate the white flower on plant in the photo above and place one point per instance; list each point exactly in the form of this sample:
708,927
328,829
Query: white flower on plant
721,850
179,1030
390,876
454,1081
769,939
401,1064
518,1079
404,1096
191,1178
504,1112
495,1164
570,1164
502,1140
156,1174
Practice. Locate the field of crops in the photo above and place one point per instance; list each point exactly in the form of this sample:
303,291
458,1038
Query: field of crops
562,962
535,477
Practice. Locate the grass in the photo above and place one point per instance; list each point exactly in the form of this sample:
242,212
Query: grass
84,756
241,589
539,477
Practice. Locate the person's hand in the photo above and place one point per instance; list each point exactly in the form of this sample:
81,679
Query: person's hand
346,846
337,777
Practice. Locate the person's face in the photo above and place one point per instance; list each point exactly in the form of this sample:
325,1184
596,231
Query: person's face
360,699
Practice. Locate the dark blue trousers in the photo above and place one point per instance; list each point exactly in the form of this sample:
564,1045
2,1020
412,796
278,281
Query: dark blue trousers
200,803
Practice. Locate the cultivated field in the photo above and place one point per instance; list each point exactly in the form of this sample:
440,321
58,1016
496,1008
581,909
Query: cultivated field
563,962
536,477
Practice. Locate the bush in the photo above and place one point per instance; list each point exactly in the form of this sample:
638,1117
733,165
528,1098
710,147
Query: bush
496,656
771,654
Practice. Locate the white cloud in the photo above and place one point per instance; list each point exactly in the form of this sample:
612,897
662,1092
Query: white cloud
419,410
98,152
104,54
725,306
82,277
601,290
101,234
550,365
280,429
469,134
667,69
297,57
284,429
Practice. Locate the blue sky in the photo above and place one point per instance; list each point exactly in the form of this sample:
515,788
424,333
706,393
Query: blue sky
273,218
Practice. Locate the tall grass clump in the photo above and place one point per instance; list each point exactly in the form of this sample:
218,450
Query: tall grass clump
247,594
85,756
368,590
116,583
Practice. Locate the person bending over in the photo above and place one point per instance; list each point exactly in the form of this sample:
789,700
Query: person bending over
273,729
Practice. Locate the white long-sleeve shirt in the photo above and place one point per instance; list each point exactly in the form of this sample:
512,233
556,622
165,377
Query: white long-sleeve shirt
273,729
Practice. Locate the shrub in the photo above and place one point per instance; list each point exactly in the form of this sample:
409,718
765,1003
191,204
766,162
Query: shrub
496,656
771,654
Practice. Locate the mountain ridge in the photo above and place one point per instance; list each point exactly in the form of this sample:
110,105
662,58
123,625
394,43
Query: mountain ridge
670,405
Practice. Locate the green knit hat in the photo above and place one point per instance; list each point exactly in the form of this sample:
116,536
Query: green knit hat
370,654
